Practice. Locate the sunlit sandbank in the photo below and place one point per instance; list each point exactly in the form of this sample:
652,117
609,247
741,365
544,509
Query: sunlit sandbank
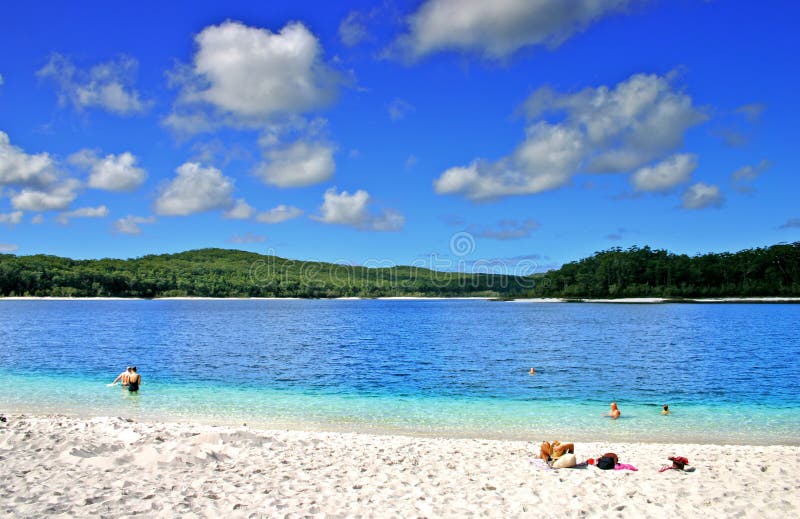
115,466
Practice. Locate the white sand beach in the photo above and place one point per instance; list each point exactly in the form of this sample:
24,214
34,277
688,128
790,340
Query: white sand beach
111,467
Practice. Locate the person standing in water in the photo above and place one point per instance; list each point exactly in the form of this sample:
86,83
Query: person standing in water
665,409
122,377
614,411
134,380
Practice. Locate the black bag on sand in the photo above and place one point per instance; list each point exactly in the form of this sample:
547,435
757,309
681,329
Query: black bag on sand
605,463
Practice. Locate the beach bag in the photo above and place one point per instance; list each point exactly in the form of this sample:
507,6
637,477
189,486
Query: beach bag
605,463
564,462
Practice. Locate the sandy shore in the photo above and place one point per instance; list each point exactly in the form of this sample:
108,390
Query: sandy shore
111,467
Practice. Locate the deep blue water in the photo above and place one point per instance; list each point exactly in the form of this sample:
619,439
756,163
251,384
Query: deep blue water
729,372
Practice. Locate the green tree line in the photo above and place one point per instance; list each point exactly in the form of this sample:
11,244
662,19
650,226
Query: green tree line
646,272
613,273
232,273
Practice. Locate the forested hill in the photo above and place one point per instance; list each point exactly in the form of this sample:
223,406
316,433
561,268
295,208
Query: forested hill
635,272
645,272
232,273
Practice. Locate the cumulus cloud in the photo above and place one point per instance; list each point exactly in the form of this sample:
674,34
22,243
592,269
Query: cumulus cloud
507,230
8,248
18,168
51,198
279,214
107,85
547,159
398,109
700,196
499,28
743,177
353,210
665,175
195,189
300,163
241,210
249,76
596,130
112,172
247,238
100,211
12,218
130,224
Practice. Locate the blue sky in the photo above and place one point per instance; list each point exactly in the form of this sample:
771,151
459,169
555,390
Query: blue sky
521,133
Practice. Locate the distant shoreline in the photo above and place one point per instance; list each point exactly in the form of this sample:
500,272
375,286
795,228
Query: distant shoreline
625,300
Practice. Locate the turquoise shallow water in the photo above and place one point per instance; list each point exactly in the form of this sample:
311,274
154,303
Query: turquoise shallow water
729,372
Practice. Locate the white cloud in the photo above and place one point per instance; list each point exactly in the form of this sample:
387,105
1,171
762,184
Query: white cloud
130,224
193,190
241,210
108,85
112,172
602,129
11,218
546,160
51,198
665,175
752,112
627,126
352,210
279,214
743,177
398,109
247,238
100,211
8,248
507,230
700,196
37,219
352,29
791,223
251,76
18,168
498,28
298,164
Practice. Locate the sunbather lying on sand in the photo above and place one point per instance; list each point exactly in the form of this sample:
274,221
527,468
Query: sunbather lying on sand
555,450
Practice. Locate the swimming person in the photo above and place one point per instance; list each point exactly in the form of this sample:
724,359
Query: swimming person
614,411
134,380
123,377
532,372
665,409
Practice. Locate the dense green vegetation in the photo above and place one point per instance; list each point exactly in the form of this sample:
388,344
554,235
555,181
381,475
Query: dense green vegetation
635,272
230,273
645,272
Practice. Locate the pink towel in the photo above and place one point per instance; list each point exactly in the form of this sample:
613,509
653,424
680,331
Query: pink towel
624,466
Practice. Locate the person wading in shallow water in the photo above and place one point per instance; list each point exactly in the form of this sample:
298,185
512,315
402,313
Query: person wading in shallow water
613,412
134,380
122,377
